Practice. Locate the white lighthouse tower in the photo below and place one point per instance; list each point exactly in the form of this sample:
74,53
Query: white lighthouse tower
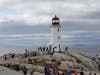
55,34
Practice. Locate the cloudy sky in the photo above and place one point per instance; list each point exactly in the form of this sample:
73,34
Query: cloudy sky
27,22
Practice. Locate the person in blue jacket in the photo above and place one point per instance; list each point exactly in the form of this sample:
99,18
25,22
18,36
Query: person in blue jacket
68,72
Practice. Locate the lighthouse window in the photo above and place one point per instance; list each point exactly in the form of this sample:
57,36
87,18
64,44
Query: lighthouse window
59,45
58,29
58,37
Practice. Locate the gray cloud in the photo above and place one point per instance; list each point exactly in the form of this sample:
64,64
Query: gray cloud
31,11
19,19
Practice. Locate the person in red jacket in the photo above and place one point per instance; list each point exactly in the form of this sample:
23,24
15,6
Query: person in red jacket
62,73
75,73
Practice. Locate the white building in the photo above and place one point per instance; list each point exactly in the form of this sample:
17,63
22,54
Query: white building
55,41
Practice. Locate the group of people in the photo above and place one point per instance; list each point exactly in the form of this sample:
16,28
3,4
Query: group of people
29,53
51,71
10,56
24,69
54,71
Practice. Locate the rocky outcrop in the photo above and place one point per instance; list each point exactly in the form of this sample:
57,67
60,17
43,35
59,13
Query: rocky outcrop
62,57
67,59
86,62
71,58
45,58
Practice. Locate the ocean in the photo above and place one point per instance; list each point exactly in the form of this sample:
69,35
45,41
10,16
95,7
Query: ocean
88,46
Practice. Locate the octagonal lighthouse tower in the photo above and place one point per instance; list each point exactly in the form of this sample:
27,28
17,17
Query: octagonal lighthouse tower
55,41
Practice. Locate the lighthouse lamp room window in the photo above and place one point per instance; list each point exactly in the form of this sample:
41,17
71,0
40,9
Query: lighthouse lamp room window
55,34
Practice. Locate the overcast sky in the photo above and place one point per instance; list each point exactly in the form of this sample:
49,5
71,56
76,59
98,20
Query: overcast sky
27,22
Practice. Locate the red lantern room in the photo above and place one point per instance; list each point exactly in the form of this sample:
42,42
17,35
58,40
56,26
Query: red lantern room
55,20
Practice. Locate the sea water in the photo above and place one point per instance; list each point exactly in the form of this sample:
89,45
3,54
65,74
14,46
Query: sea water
90,50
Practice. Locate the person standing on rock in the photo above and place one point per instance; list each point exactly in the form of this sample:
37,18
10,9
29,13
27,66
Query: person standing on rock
12,55
81,72
24,70
17,67
47,70
95,74
32,71
55,70
5,57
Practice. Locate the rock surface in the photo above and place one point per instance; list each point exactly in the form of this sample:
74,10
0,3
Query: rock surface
7,71
62,57
69,59
86,62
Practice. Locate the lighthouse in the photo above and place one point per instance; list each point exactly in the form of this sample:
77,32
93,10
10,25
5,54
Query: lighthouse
55,41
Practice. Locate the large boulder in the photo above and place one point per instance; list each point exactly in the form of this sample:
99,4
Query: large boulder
87,62
45,58
62,57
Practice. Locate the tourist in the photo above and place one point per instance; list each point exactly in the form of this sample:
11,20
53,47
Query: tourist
24,70
81,73
62,73
5,57
95,74
51,71
17,67
32,71
75,73
55,70
12,56
58,73
47,70
25,55
68,72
